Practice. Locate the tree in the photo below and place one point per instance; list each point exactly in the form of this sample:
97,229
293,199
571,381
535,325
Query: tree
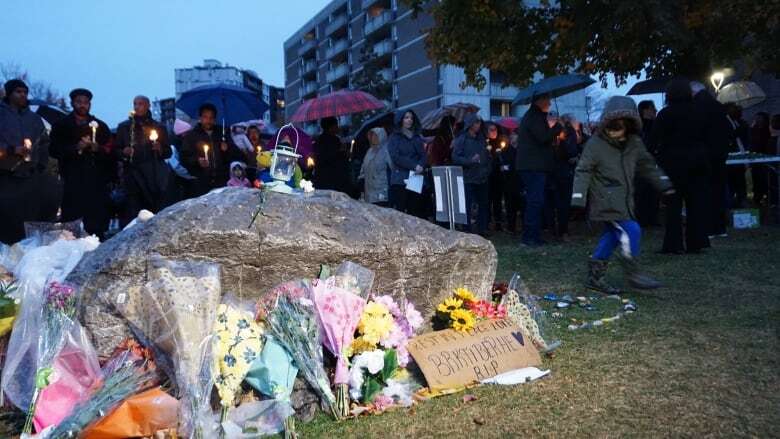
38,89
370,80
626,38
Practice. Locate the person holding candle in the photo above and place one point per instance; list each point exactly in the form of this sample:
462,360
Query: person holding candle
82,145
146,176
207,154
27,191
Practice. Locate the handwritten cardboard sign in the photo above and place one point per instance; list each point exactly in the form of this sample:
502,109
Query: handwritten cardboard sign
451,359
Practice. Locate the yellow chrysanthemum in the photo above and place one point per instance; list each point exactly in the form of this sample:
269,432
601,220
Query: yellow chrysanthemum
462,320
450,305
465,295
376,322
360,345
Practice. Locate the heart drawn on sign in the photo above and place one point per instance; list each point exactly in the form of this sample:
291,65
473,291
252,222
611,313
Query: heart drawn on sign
519,337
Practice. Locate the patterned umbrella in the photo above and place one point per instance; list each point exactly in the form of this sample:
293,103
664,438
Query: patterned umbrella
337,103
509,123
458,111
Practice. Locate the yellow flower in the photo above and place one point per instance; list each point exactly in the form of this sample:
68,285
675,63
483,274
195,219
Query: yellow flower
462,320
375,323
450,305
465,295
360,345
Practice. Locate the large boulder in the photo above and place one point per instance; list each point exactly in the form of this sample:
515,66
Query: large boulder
291,238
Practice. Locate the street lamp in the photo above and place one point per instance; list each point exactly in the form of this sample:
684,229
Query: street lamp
717,80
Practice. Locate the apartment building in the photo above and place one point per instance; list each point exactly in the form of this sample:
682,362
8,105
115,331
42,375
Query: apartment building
325,54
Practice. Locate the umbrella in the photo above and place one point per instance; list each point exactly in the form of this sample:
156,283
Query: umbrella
743,93
49,113
338,103
180,127
555,86
509,123
305,142
457,111
649,86
383,120
234,104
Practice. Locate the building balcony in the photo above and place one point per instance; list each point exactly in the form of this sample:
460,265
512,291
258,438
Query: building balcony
336,24
387,74
374,24
336,48
383,48
308,88
502,92
337,72
368,3
306,47
309,67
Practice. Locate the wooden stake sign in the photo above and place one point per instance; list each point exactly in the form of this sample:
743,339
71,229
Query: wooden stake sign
450,359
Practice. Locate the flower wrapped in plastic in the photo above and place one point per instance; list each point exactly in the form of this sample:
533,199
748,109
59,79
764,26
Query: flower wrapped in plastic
339,312
523,309
294,324
273,374
237,344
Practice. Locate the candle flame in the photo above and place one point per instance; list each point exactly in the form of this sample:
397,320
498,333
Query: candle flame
206,148
153,135
28,143
310,162
503,144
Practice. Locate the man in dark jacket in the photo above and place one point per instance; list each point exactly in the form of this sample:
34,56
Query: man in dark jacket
81,144
206,153
27,192
331,171
407,154
718,140
646,197
470,150
534,162
143,146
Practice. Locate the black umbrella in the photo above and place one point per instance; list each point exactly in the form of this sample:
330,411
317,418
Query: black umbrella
48,112
555,86
649,86
383,120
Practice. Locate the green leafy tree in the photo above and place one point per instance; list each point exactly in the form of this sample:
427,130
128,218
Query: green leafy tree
371,81
626,38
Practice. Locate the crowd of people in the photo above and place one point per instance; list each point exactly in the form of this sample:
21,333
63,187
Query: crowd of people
522,180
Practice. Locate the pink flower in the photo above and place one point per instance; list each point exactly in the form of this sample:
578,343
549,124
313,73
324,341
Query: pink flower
388,302
382,402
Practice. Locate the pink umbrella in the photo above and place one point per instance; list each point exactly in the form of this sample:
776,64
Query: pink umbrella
305,143
509,123
180,127
337,103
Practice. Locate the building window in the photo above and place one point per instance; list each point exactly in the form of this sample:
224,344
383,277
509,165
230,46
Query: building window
500,108
280,103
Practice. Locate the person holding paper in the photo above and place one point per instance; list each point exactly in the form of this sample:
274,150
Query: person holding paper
407,155
470,151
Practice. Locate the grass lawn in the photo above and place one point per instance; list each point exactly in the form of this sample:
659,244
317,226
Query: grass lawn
700,358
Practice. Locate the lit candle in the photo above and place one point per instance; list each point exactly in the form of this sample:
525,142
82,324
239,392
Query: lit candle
153,135
351,147
94,126
503,144
28,147
310,162
206,152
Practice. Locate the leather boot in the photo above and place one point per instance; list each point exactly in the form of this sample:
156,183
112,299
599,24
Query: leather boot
634,276
597,269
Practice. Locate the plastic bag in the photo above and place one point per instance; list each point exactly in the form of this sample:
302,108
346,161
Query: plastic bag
256,419
524,309
354,277
10,256
47,232
140,415
76,370
175,312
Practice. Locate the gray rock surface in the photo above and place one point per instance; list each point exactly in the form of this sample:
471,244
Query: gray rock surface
290,239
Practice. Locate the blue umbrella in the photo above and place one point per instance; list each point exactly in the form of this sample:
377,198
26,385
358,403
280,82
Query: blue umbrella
234,104
555,86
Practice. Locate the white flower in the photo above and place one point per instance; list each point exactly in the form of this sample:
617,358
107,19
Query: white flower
373,361
307,186
93,124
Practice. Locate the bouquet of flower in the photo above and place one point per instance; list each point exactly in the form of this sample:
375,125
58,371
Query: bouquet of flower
237,345
406,321
338,311
463,310
370,373
8,307
58,309
376,324
293,323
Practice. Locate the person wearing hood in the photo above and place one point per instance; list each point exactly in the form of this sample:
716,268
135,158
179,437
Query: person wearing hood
82,145
206,152
375,168
534,162
27,191
407,154
605,182
238,175
332,165
680,137
142,143
470,150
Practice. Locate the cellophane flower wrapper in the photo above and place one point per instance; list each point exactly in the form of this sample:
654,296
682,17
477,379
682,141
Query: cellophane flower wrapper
140,415
175,313
238,342
273,374
354,277
75,371
538,314
258,418
339,312
46,232
294,324
38,266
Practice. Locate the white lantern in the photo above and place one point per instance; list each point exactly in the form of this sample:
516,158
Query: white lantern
283,161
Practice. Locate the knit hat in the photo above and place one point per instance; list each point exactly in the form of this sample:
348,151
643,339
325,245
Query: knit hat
13,84
80,92
620,107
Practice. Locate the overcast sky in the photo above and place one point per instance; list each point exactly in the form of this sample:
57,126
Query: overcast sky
119,49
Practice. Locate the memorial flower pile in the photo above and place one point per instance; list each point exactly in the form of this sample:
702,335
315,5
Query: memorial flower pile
463,310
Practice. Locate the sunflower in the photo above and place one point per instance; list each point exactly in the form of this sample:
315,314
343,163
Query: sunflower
450,305
465,295
462,320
